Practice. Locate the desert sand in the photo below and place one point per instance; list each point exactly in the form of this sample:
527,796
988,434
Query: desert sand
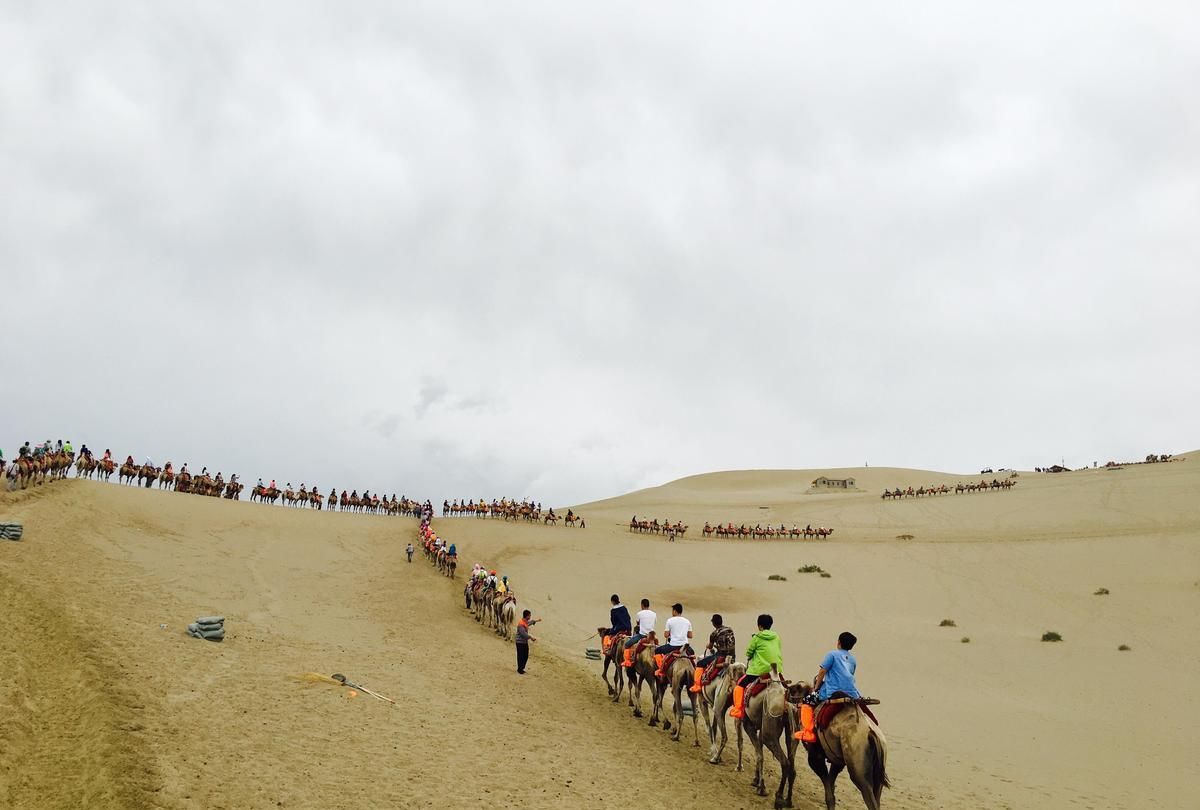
107,704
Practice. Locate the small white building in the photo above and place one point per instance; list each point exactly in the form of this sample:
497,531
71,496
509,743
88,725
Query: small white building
833,483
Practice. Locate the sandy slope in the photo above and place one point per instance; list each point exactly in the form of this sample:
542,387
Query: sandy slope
109,710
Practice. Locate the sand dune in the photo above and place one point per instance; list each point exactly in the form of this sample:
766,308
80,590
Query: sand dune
106,708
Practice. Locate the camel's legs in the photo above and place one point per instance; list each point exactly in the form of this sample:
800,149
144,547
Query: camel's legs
772,744
695,718
759,782
816,761
870,797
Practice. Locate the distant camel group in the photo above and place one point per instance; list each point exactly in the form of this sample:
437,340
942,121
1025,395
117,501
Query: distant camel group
666,527
347,502
528,511
760,532
920,492
29,470
487,597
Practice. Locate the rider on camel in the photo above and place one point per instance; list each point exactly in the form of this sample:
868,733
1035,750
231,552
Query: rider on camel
834,676
646,620
764,657
678,632
618,619
129,460
721,644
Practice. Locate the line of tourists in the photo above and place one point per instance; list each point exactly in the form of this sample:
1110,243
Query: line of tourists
764,654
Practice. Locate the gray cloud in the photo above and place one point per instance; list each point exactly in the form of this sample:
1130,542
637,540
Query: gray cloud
520,250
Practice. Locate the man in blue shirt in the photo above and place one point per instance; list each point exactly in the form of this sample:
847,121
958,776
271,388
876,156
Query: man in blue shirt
837,670
618,617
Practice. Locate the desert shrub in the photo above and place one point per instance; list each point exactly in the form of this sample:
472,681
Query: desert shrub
1050,635
777,578
904,537
1124,648
826,575
1101,592
947,623
965,639
810,569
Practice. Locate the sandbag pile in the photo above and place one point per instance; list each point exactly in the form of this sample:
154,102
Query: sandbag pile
210,628
11,531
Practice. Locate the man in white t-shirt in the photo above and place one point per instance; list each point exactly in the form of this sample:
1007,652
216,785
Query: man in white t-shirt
644,626
679,633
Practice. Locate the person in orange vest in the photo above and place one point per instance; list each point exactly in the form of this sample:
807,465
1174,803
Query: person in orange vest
523,639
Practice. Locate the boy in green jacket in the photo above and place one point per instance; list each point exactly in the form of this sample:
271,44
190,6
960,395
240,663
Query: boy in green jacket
764,656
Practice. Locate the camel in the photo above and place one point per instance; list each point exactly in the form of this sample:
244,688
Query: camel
508,616
105,468
717,697
767,716
84,467
679,678
852,742
614,655
148,474
642,672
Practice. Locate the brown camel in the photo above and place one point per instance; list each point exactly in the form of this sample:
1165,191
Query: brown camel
768,716
716,697
642,672
508,617
679,678
614,655
853,742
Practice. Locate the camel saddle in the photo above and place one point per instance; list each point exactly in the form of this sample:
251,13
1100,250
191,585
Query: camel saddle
753,689
714,669
829,709
613,640
670,658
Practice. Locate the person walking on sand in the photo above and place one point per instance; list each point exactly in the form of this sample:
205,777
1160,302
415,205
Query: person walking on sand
409,551
523,639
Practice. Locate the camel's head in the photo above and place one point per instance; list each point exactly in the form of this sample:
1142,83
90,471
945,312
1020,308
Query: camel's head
798,691
736,670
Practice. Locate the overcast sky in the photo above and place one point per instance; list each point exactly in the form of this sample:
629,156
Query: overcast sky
565,250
